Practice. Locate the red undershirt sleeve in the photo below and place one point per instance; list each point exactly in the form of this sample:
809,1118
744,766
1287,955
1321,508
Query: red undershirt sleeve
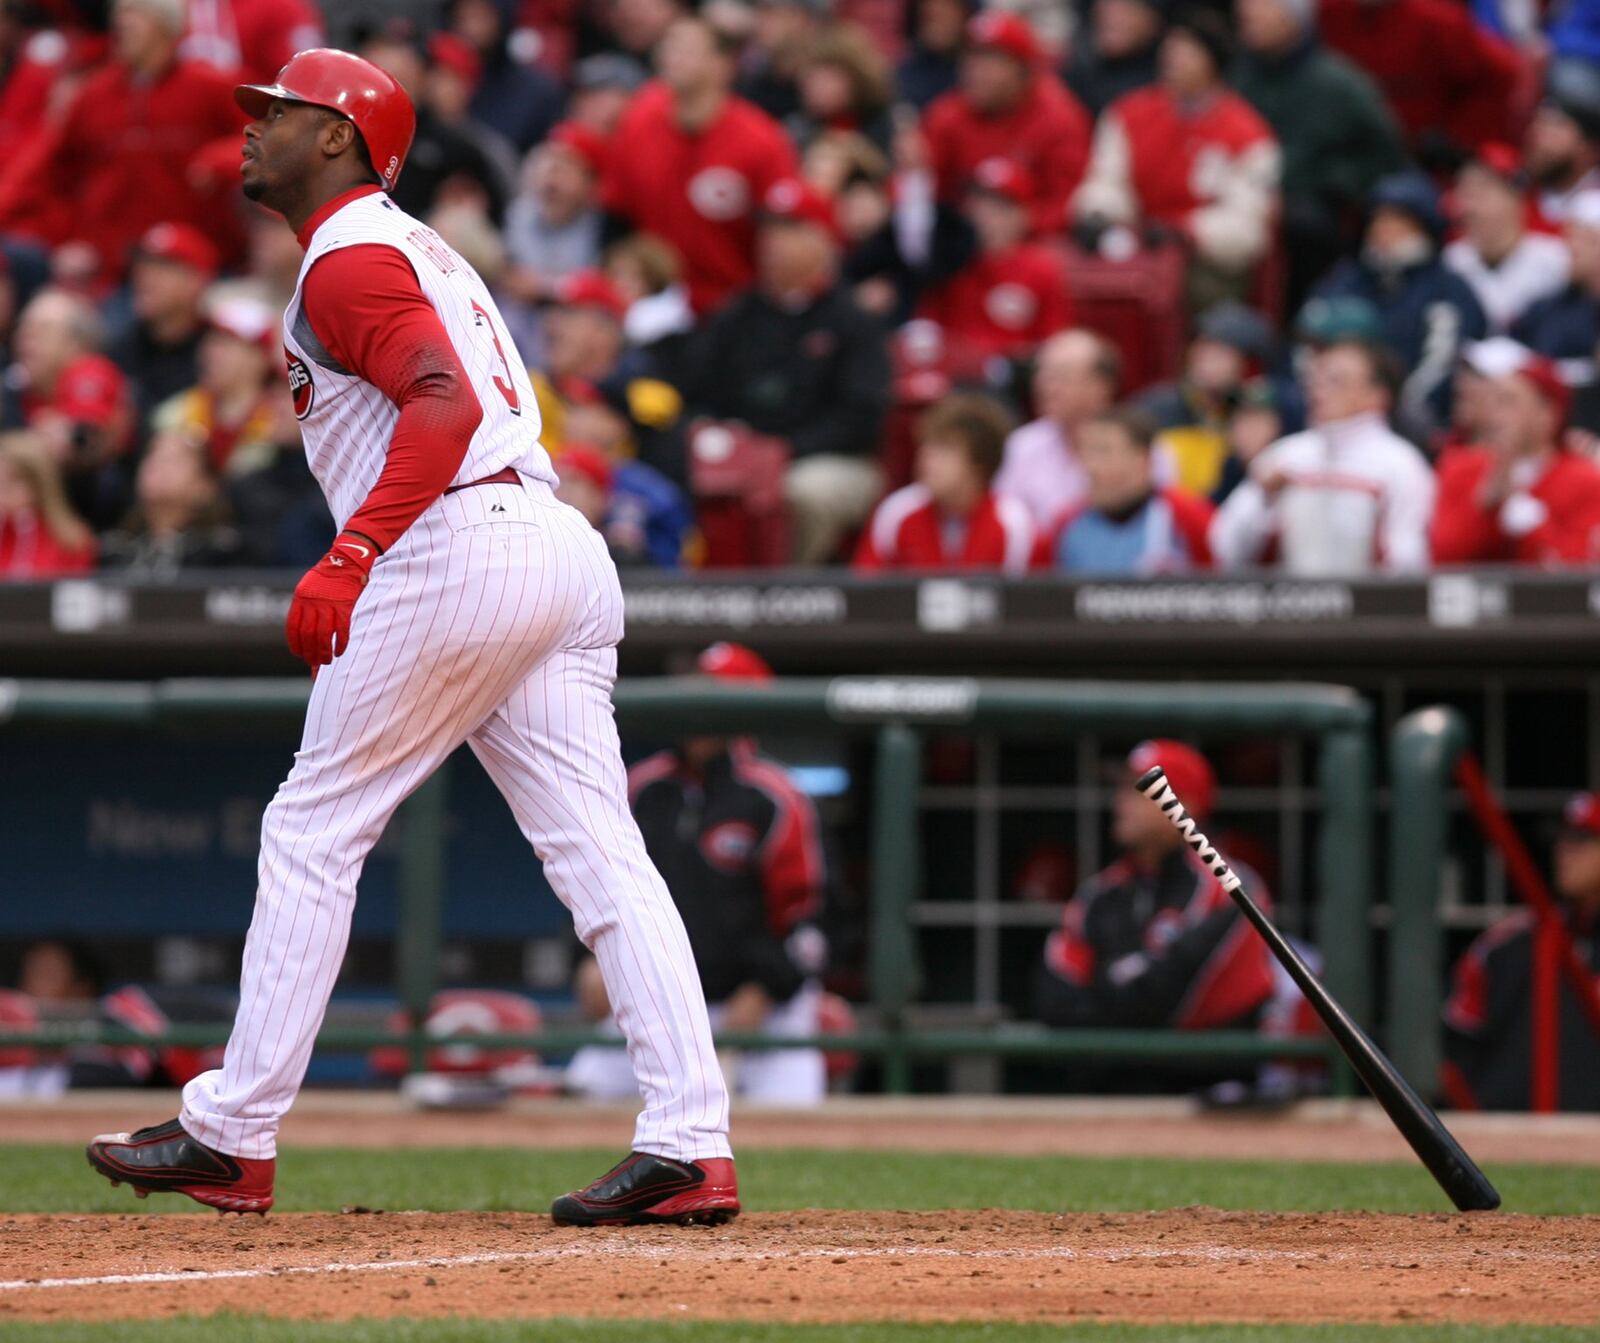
369,312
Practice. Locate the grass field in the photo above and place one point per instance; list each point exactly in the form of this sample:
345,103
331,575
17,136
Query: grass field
48,1178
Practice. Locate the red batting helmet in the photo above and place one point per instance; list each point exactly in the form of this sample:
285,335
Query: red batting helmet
372,99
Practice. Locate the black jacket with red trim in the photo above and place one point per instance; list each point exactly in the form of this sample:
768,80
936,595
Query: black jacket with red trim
1156,948
1488,1020
741,850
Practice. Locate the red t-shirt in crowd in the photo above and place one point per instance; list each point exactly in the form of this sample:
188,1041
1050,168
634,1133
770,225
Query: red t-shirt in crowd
1047,134
1552,520
907,531
1437,67
699,191
1002,303
28,550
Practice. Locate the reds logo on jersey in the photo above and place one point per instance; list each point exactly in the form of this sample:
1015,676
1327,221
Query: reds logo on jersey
728,846
1012,306
719,193
301,388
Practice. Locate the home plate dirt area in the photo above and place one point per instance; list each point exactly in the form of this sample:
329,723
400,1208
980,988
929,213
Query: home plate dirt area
1193,1264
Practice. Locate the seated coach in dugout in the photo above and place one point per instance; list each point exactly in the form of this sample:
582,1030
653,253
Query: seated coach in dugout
1154,940
742,852
1490,1020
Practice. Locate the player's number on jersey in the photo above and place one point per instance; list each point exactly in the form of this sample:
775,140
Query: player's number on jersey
506,387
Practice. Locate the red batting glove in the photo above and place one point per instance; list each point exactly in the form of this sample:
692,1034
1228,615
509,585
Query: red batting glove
319,616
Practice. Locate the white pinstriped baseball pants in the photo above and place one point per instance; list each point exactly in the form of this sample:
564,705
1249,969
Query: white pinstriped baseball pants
493,621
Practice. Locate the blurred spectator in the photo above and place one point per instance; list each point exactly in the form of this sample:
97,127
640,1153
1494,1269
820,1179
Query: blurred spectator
691,163
45,55
60,971
743,853
602,87
1076,377
1009,105
844,86
1428,310
250,40
1489,1020
1448,80
1231,344
1154,940
229,408
1127,525
553,225
784,32
179,518
117,159
929,68
649,277
583,329
1189,156
639,27
1347,496
40,534
1013,294
1117,53
1255,423
53,330
1566,325
584,481
275,256
950,517
445,164
645,518
1519,497
1509,266
454,72
519,102
1562,146
1336,133
273,499
795,357
172,266
901,239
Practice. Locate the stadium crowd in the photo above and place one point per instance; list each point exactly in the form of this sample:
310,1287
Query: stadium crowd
1126,286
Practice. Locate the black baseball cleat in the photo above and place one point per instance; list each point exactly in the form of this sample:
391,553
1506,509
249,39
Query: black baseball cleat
166,1160
642,1188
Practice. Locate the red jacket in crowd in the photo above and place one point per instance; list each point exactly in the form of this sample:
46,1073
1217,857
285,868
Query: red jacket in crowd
250,39
1552,520
1003,303
1439,70
907,531
28,550
1047,134
698,191
1208,173
118,161
31,89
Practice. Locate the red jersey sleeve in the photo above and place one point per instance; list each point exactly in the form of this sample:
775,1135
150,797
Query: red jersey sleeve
1463,531
369,311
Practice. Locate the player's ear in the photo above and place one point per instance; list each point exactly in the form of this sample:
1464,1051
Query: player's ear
338,137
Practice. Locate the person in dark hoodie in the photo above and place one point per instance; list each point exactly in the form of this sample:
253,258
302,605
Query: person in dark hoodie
934,29
1428,311
520,102
1115,52
1337,134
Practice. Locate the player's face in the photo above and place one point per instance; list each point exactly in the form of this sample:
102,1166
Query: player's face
1135,824
1578,867
280,149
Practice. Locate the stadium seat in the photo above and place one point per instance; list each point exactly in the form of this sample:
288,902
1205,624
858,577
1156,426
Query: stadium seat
1136,304
736,478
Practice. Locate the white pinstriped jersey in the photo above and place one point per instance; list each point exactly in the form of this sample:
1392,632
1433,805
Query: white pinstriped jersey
347,423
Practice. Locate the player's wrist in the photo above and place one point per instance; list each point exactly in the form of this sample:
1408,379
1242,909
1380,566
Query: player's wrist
354,549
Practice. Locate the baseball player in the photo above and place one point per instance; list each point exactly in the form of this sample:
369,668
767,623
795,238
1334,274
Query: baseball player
460,602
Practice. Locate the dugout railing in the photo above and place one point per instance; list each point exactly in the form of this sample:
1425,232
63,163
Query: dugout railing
897,714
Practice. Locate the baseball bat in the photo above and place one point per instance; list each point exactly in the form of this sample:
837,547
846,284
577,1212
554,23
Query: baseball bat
1458,1175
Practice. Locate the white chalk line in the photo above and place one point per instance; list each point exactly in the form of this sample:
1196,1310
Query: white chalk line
621,1249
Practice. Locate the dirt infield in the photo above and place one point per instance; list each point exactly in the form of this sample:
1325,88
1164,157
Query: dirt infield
1193,1264
1313,1131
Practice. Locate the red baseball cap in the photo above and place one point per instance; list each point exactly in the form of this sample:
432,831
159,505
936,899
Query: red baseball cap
182,244
993,30
584,141
1003,177
1545,376
91,390
456,55
592,289
1503,161
1189,772
1581,815
796,200
586,460
733,662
